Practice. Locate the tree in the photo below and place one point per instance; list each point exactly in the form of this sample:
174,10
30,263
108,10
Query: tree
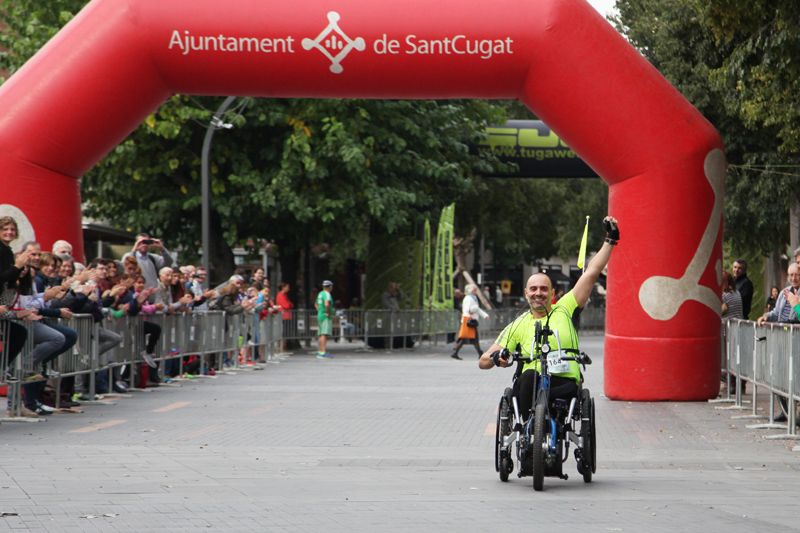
736,61
307,172
291,171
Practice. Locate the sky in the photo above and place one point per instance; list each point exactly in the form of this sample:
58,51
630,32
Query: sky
603,6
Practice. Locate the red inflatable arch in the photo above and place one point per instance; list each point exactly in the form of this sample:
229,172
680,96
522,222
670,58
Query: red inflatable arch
118,60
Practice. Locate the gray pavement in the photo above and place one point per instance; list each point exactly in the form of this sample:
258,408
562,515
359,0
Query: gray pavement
379,441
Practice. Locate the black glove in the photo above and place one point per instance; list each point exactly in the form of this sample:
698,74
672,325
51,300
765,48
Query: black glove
499,354
612,231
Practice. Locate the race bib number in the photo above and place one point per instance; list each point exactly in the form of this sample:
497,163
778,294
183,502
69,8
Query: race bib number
555,365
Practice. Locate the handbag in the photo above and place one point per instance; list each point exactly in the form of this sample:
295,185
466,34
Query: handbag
472,322
8,295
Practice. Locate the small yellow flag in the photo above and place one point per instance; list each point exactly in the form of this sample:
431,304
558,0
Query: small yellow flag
582,252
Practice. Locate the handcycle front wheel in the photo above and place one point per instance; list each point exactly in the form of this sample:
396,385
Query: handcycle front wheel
503,464
588,437
538,443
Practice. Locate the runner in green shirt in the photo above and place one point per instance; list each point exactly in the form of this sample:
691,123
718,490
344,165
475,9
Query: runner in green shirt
539,293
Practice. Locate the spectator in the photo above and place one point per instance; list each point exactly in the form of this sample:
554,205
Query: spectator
257,280
470,312
11,267
743,285
63,249
113,272
286,305
67,268
132,302
130,266
783,311
201,296
49,338
88,299
231,297
100,268
150,263
773,297
165,295
47,275
731,299
392,297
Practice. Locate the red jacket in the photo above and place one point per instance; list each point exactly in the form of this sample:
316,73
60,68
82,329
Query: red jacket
285,304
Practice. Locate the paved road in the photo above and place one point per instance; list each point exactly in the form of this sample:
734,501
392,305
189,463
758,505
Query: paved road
379,441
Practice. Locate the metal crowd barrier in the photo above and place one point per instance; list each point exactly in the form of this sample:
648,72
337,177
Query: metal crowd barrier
767,357
212,339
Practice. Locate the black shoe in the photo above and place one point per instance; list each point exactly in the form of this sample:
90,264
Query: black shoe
455,356
40,410
69,403
780,418
120,386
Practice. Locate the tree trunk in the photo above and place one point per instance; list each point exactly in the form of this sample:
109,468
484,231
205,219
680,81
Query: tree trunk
794,225
221,261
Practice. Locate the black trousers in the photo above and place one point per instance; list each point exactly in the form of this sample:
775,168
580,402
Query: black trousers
475,342
152,332
523,390
14,337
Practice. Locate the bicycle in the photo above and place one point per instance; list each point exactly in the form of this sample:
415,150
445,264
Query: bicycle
543,440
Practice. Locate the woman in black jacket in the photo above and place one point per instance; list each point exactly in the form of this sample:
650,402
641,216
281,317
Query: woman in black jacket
14,334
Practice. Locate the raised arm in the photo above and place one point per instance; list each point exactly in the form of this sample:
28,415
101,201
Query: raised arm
583,288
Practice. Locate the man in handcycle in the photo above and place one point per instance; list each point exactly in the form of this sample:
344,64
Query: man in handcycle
558,318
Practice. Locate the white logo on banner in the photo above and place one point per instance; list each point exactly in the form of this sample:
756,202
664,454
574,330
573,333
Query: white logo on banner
662,296
332,41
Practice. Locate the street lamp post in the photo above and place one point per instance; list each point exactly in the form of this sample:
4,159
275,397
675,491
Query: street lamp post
215,124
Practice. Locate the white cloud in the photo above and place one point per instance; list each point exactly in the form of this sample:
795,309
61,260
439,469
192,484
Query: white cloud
605,7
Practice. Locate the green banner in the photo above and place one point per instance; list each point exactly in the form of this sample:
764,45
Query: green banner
427,280
443,261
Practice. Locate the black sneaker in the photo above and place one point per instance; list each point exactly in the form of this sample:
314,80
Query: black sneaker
40,410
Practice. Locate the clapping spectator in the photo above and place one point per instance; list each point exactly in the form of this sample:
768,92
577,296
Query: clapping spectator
783,311
50,339
164,296
201,296
47,276
67,268
134,302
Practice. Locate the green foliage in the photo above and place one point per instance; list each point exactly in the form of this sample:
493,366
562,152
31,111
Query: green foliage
737,62
301,172
525,221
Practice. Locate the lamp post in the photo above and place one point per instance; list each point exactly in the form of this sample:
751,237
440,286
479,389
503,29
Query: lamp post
215,124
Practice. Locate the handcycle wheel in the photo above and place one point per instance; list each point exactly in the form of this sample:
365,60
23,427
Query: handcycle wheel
538,442
503,464
588,437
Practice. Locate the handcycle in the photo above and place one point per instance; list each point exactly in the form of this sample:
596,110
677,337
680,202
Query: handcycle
543,440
